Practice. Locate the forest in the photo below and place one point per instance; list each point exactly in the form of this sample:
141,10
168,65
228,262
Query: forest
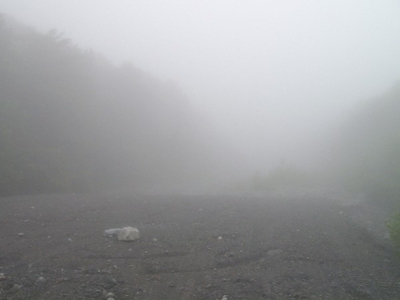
70,121
366,149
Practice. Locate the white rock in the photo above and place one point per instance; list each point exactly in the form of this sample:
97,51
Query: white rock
110,295
219,238
224,297
128,234
21,234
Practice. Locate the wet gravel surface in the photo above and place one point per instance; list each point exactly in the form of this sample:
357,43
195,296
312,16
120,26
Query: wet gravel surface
195,247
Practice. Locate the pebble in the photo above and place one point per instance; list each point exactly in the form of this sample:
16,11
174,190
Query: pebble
41,280
21,234
2,276
224,297
16,287
219,238
110,295
274,252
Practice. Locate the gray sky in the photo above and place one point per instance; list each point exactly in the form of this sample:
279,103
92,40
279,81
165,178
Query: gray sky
271,74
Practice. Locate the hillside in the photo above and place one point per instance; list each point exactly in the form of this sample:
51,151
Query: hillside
72,121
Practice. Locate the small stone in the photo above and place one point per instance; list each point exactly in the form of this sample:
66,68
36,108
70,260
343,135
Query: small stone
224,297
70,240
110,295
21,234
41,280
155,240
61,279
2,276
219,238
16,287
274,252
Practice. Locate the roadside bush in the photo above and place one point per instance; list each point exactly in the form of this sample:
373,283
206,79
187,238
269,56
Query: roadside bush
394,230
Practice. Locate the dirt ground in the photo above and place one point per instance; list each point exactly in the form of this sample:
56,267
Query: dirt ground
195,247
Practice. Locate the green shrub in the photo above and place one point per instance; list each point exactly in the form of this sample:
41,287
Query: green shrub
394,230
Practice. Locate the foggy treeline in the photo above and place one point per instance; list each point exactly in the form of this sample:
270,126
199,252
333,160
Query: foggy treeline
361,153
72,121
365,153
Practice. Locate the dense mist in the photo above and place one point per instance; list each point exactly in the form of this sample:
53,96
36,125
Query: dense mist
71,121
198,94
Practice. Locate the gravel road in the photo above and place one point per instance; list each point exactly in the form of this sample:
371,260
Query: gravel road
196,247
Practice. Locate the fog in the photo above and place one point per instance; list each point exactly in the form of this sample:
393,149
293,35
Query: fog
273,79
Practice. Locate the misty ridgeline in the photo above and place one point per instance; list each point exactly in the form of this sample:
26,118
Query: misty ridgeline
70,121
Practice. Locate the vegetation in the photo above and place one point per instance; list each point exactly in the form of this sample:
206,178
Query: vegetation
394,230
71,121
366,156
